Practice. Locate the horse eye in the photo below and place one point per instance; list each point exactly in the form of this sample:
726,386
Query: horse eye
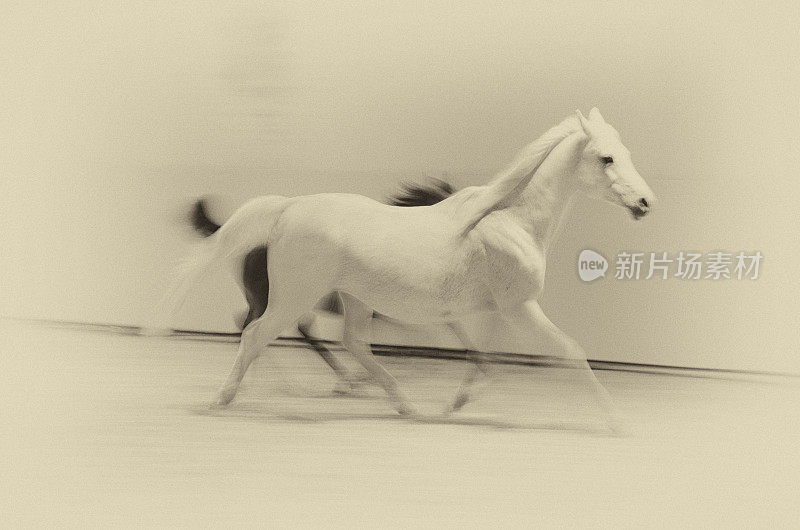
607,159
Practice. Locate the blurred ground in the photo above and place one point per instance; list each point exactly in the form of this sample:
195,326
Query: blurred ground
105,429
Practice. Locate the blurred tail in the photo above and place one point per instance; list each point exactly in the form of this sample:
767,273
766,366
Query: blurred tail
417,194
186,276
200,220
224,247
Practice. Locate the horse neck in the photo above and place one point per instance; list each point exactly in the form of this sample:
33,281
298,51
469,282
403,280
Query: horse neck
542,205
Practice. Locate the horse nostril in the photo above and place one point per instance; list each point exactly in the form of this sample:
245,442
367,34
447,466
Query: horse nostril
643,203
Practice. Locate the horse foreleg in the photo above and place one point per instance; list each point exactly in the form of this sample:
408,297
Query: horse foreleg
477,372
357,322
531,315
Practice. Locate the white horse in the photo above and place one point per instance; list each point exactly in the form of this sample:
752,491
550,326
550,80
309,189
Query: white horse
481,250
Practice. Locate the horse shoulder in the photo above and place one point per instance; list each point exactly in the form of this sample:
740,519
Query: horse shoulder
515,264
461,205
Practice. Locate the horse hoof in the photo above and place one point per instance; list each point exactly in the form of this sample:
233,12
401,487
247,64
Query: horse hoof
343,388
617,428
458,403
225,397
362,380
406,409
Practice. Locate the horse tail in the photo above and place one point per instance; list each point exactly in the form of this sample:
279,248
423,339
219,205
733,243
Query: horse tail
224,246
421,194
200,221
185,276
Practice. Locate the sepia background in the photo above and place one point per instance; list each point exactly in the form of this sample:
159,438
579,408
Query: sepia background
115,115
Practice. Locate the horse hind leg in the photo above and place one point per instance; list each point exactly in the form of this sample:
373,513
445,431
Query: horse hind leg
257,336
253,279
477,375
254,282
347,382
297,282
357,322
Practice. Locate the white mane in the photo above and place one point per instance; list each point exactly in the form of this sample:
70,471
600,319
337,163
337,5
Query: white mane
531,156
509,184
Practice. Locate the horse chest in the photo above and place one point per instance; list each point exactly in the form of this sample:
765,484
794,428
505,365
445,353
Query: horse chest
514,264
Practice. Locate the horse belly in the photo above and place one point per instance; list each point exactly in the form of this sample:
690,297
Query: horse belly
406,263
415,303
416,281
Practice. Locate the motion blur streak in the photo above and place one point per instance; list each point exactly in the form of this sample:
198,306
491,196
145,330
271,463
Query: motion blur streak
102,429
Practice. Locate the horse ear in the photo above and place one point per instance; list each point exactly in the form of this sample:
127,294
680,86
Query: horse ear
584,122
595,115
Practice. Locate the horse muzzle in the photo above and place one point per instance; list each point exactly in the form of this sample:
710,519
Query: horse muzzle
640,209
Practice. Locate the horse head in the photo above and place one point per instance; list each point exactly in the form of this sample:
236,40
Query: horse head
605,169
